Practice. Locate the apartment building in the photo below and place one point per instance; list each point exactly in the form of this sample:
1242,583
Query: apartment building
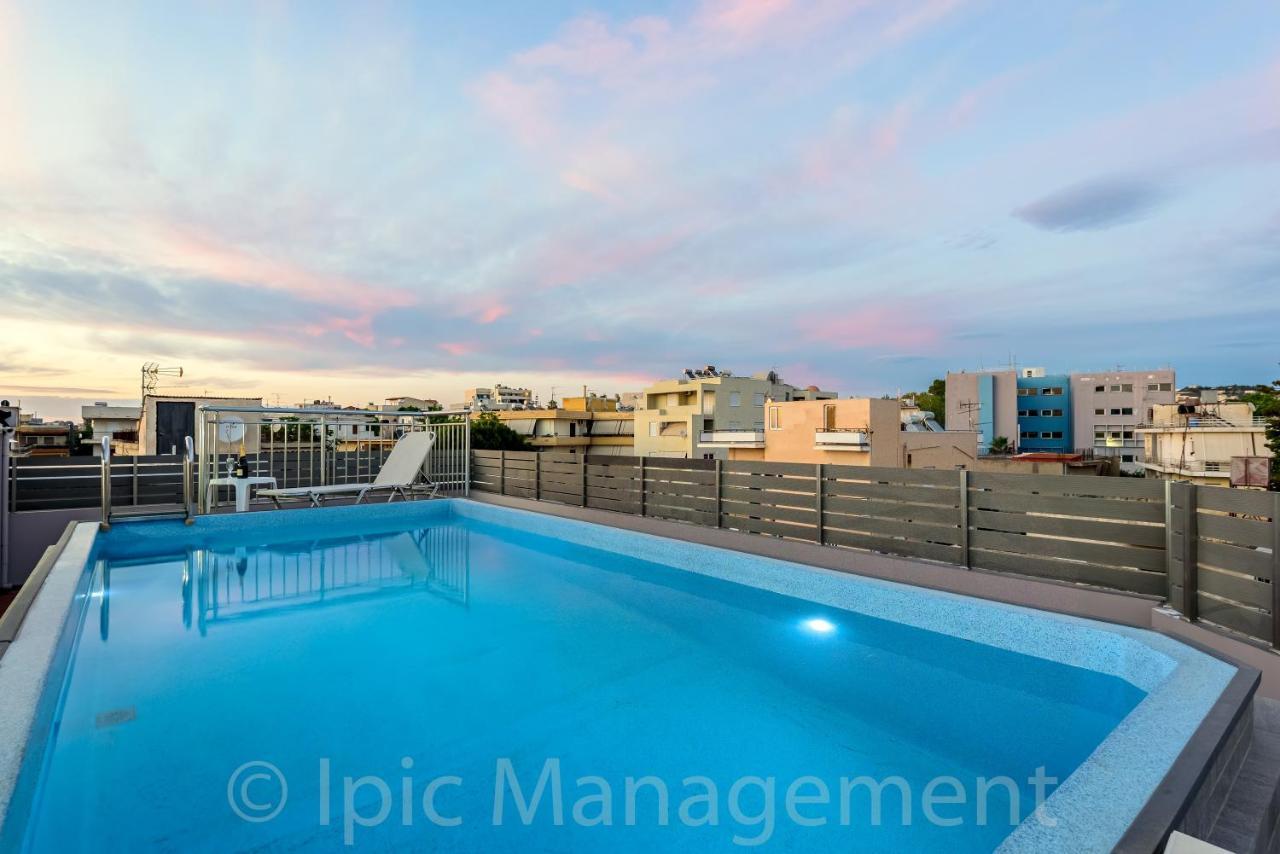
1044,411
1093,412
497,399
1208,443
587,425
984,402
858,432
706,413
118,422
1108,407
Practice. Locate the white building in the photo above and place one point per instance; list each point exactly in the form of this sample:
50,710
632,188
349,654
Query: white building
499,397
118,422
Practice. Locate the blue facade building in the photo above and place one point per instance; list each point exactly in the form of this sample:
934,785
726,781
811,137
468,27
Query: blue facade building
1044,412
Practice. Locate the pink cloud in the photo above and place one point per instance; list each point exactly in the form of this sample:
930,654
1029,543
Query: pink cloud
873,327
456,348
494,312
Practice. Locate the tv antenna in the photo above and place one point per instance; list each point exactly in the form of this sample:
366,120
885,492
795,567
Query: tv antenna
151,373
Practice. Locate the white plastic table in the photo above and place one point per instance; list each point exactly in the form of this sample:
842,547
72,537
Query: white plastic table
242,485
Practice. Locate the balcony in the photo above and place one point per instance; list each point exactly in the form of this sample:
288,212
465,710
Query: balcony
731,438
842,439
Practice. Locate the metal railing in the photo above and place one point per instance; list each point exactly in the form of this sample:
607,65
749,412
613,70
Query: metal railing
300,447
105,523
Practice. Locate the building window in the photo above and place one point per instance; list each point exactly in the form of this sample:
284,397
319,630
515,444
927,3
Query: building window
773,418
1057,434
1126,387
1046,435
1115,388
1115,410
1099,388
757,399
735,398
1166,386
1153,386
1127,410
1099,412
1053,391
653,428
1126,458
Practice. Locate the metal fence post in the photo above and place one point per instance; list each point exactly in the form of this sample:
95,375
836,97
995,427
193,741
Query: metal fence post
964,519
819,487
466,453
537,476
642,486
6,474
135,480
1275,572
719,490
1186,494
582,474
502,472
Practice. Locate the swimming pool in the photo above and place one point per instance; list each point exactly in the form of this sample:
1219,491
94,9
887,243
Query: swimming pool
459,676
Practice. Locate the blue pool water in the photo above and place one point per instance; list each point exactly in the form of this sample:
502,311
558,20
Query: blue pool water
458,649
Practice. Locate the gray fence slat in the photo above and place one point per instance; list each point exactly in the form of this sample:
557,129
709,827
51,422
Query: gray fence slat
893,492
1084,529
770,528
881,474
889,545
1044,484
892,510
1238,588
1094,508
774,469
1234,529
801,515
1244,501
1131,580
1124,556
913,531
1237,559
1235,617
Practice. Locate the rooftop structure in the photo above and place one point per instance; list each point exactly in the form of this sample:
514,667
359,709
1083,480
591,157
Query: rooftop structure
497,398
853,432
1205,443
706,412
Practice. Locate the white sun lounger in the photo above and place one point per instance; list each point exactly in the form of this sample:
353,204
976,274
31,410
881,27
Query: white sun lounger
406,461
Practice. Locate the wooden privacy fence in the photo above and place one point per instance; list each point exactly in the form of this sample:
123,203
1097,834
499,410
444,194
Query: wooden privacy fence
1122,534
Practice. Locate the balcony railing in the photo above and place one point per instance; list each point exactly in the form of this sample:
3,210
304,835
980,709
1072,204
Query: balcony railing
842,438
732,438
320,447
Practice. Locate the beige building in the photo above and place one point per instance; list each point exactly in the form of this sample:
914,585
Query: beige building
1108,406
985,402
1198,442
588,425
706,413
497,399
858,432
168,419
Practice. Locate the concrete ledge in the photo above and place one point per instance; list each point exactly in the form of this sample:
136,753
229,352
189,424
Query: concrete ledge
1263,660
1113,607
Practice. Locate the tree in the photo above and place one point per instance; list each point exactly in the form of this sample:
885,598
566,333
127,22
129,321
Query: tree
999,445
934,400
1266,404
488,433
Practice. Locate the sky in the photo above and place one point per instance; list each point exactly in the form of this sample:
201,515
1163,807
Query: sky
360,200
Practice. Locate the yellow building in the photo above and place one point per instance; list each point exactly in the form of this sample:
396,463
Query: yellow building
857,432
1197,442
590,425
706,413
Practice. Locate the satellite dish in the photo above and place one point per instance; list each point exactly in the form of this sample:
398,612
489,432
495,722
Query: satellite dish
231,429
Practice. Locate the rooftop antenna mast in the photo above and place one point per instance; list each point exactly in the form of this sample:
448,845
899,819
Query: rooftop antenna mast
151,373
